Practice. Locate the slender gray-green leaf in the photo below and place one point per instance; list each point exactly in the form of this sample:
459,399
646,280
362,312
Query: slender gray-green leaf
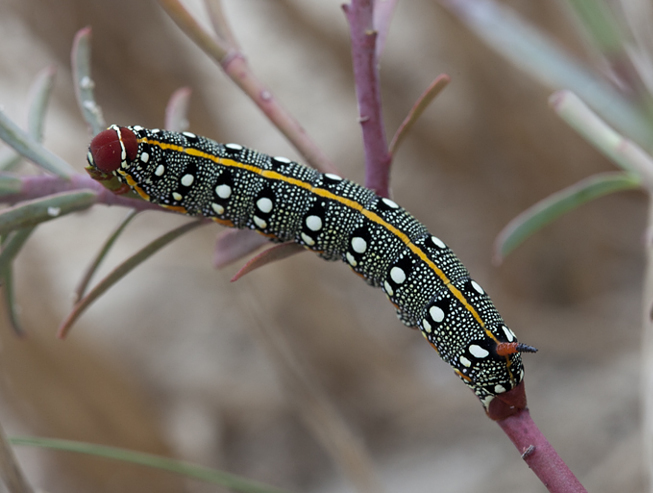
33,212
623,152
548,210
10,185
121,271
83,284
40,97
12,246
8,291
25,145
84,85
9,159
599,23
537,54
231,481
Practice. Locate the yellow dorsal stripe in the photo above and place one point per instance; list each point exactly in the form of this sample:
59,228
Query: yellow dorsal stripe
273,175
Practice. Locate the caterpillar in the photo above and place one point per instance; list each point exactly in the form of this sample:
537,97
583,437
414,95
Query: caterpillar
340,220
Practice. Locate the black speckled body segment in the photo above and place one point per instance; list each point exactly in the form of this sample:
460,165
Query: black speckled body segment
340,220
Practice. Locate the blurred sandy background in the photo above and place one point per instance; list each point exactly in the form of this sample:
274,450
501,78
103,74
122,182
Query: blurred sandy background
171,361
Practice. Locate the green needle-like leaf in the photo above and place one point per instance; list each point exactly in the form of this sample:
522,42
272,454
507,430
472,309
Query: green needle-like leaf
541,57
27,146
546,211
12,246
81,288
121,271
10,301
40,97
231,481
81,64
33,212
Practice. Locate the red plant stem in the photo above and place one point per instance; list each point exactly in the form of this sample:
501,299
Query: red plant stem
238,70
538,453
366,75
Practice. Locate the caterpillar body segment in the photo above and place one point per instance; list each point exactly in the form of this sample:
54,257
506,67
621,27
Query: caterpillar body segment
339,220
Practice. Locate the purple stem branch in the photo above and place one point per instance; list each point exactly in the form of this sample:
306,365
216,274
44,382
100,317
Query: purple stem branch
360,15
34,187
539,454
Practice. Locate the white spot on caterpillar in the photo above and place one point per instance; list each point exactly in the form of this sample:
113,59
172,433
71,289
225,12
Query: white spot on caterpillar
282,159
155,130
54,211
390,203
260,222
478,351
351,260
138,128
264,205
438,242
486,401
387,287
426,326
437,314
223,191
177,196
333,177
477,287
145,157
465,362
234,147
499,389
217,208
397,275
307,239
314,223
190,135
160,169
509,334
187,180
358,244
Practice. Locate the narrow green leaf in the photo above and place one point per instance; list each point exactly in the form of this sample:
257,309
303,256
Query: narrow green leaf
597,19
546,211
10,185
84,85
121,271
10,301
236,483
25,145
623,152
40,97
12,246
33,212
9,159
83,284
541,57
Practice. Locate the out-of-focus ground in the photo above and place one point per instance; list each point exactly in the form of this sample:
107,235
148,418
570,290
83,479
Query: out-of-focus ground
170,360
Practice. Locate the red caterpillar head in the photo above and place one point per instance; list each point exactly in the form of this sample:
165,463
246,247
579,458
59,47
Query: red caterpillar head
112,147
